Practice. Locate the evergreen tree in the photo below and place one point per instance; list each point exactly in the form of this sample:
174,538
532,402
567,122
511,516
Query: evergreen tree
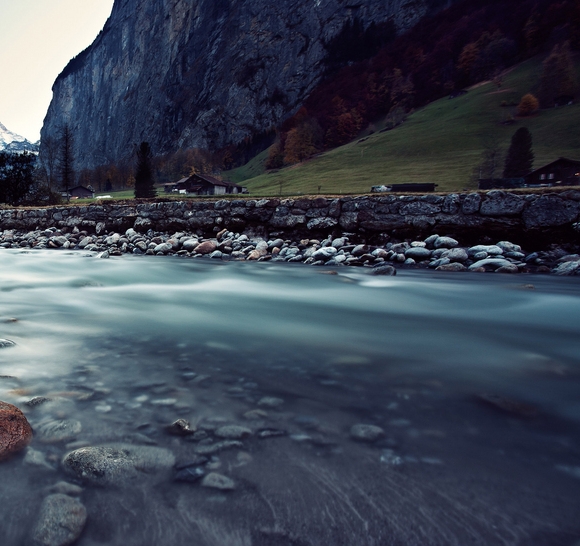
16,177
520,157
66,159
144,183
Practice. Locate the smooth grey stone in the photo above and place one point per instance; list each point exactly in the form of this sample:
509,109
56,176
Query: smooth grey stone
491,262
418,253
270,402
366,433
506,246
388,270
456,255
232,432
445,242
116,464
492,250
218,481
58,431
190,474
212,449
60,522
454,266
567,268
4,343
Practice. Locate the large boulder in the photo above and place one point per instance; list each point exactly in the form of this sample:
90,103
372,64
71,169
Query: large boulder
15,430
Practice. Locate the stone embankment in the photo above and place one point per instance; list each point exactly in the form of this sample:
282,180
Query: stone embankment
364,231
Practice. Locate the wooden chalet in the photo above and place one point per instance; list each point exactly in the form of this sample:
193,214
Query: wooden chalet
79,192
204,184
562,172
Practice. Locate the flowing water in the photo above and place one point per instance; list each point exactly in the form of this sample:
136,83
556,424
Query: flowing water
474,378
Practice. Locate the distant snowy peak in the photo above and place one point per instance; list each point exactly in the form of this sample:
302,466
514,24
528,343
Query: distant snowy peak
11,142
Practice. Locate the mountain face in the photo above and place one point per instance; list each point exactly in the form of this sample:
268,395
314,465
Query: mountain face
11,142
201,73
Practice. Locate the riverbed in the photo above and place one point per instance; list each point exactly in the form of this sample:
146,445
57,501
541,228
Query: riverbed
474,379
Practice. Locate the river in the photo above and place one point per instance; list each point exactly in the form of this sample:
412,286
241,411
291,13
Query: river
474,378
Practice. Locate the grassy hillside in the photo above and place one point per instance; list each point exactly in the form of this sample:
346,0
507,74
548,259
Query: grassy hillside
440,143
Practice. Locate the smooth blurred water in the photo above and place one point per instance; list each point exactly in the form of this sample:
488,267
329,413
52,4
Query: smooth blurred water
409,353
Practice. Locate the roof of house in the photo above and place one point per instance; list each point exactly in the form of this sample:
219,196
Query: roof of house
570,161
78,188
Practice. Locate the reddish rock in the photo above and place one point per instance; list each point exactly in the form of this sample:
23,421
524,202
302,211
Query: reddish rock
15,431
207,247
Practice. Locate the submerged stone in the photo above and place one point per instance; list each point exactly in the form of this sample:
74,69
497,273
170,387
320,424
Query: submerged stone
366,433
60,522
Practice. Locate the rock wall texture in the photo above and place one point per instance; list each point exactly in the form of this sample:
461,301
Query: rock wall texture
201,73
531,220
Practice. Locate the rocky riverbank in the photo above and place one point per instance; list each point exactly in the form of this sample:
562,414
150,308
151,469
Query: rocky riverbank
441,253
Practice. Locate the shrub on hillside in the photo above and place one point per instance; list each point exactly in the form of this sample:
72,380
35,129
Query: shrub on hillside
528,105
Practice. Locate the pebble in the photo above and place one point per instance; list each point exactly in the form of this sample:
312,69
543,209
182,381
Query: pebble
366,433
336,253
190,474
4,343
270,433
218,481
34,457
60,522
211,449
52,432
270,402
181,427
233,432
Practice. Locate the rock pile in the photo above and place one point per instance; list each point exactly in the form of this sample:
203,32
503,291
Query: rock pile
436,252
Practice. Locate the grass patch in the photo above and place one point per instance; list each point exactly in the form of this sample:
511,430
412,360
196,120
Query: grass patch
439,143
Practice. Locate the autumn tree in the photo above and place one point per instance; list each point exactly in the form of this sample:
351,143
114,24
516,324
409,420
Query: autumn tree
528,105
144,183
557,80
275,158
302,141
520,156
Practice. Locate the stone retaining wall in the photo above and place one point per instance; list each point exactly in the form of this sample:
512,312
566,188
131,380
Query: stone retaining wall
522,218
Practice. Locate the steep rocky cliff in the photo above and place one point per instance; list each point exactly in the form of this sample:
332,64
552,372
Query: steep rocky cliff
201,73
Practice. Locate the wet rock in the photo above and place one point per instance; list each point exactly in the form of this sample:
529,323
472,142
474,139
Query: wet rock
455,266
510,268
207,247
15,431
492,250
418,253
34,457
117,463
366,433
181,427
270,402
389,457
567,268
270,433
5,343
445,242
51,432
65,488
37,401
212,449
233,432
60,522
456,255
255,415
508,405
387,270
493,263
194,460
218,481
191,474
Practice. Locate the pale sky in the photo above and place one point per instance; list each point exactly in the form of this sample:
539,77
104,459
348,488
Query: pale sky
37,39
